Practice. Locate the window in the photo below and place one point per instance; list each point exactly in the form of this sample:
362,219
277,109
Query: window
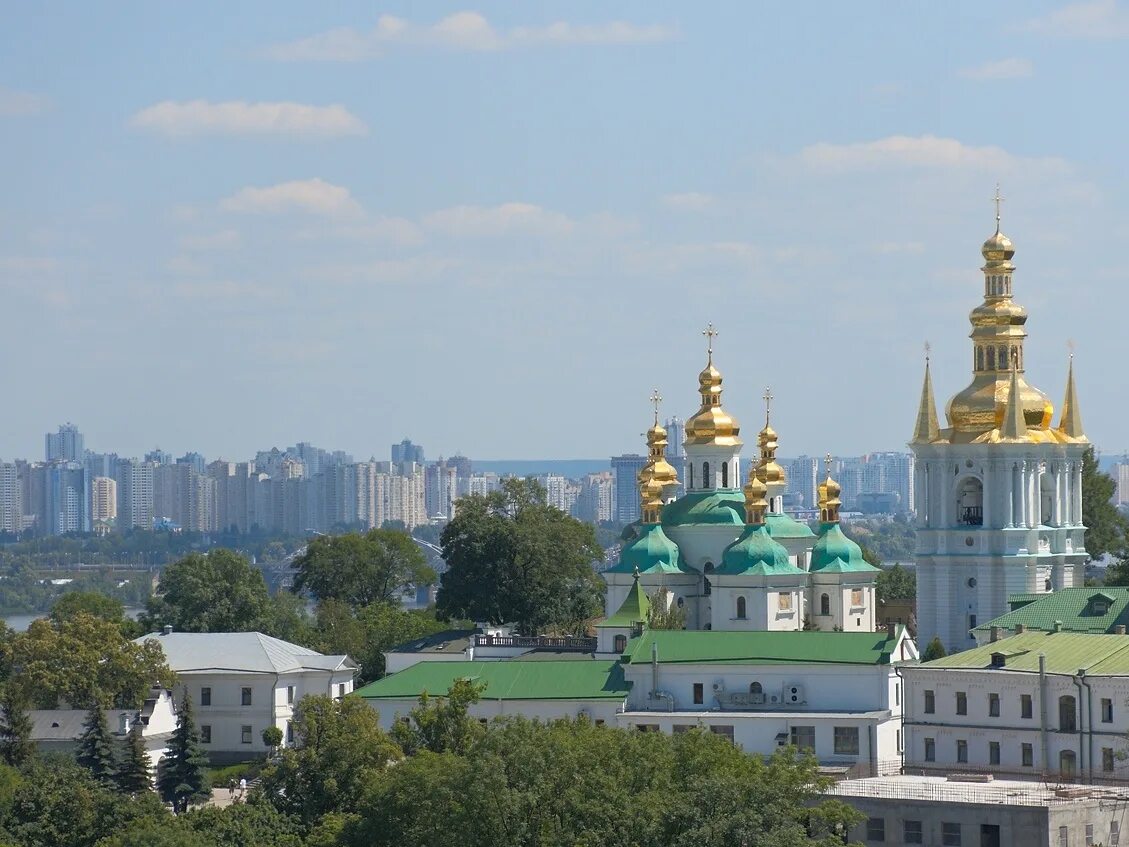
897,694
741,608
725,475
1067,763
1107,710
962,751
784,601
1028,756
911,832
1025,705
950,834
898,740
971,624
993,705
690,484
342,690
847,740
1089,835
803,737
962,703
699,693
1064,836
680,728
876,830
930,701
706,482
725,730
206,696
1067,716
1107,759
824,604
930,750
245,733
619,644
290,732
205,734
290,695
246,697
856,597
647,727
993,752
1114,833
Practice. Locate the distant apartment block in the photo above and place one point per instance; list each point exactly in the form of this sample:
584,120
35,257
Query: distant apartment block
103,501
626,469
596,498
66,445
11,498
135,494
405,452
1121,477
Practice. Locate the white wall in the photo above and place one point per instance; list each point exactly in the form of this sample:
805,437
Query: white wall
391,710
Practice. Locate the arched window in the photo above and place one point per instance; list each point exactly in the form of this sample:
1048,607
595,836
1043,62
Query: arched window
755,688
691,483
725,474
706,481
991,358
979,358
824,604
970,502
740,608
620,644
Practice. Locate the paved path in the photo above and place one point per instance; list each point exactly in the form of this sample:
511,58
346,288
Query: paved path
221,797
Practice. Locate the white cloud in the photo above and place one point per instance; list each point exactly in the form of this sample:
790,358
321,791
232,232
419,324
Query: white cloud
236,117
494,221
315,196
689,201
923,151
392,230
225,239
469,31
1099,19
1001,69
14,104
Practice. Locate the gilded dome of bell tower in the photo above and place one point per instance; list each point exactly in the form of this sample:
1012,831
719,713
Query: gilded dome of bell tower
998,334
711,424
657,467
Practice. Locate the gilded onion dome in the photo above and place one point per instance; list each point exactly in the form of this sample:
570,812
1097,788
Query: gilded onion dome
711,424
768,471
657,467
998,335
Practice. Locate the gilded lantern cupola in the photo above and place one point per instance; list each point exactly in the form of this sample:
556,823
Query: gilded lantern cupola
657,467
711,424
768,470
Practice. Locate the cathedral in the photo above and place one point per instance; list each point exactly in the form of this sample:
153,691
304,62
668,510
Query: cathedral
999,491
726,556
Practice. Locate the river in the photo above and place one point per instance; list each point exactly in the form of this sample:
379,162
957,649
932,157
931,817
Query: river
21,622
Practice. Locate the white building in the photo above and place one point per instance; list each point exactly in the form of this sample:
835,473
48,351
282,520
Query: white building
1043,705
240,683
998,492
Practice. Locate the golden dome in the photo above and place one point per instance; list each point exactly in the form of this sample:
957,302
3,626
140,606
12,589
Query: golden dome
755,503
711,424
981,406
998,248
767,470
650,495
829,502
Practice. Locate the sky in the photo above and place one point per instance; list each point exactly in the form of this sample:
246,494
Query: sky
497,228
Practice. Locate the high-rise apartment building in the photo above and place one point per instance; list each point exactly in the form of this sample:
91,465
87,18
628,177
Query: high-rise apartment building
676,453
187,498
11,498
103,501
1121,477
405,451
440,490
596,498
626,469
66,508
66,445
135,494
801,475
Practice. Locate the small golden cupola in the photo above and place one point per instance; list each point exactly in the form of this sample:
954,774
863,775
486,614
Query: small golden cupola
756,506
711,424
657,467
768,471
998,336
829,502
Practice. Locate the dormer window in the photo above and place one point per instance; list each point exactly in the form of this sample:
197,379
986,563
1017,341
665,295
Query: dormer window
1100,603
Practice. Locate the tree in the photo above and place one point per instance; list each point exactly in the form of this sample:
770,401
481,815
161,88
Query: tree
96,748
896,583
934,650
218,591
1106,528
83,660
272,738
134,774
16,746
359,570
99,605
512,558
183,777
338,746
662,614
442,724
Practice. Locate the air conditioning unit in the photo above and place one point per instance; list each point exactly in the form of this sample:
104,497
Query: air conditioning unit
718,687
794,694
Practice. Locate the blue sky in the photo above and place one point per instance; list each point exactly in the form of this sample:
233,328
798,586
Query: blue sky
496,228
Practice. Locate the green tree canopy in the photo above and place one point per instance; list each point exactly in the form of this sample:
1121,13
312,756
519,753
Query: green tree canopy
83,660
183,778
96,748
512,558
16,746
134,772
442,724
218,591
1106,528
934,650
360,570
99,605
895,583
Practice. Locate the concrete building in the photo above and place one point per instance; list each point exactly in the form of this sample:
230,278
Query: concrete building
66,445
440,490
11,498
103,500
999,491
594,502
242,682
135,494
406,452
626,469
66,505
1121,477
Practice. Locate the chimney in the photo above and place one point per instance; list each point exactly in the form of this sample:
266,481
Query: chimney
166,629
1119,629
891,630
995,633
1058,626
1020,629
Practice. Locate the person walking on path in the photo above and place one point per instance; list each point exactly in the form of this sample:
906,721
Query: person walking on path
242,788
231,788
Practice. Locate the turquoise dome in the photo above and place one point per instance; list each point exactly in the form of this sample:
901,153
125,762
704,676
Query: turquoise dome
650,552
725,507
783,526
835,553
756,553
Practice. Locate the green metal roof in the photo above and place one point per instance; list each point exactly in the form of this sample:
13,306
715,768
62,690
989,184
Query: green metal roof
835,553
651,552
507,680
726,506
785,526
762,648
632,610
755,553
1074,607
1066,652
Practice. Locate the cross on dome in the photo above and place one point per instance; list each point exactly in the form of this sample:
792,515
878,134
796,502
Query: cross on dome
767,397
710,333
997,200
656,399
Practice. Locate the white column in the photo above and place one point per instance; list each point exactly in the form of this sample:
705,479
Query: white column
1057,509
988,491
1034,507
1078,493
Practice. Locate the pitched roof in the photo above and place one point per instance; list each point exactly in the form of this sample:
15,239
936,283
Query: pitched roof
240,652
548,680
1066,652
1073,607
763,648
632,610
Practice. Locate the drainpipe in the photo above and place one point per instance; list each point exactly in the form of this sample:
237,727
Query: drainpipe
904,709
1089,730
1043,711
655,693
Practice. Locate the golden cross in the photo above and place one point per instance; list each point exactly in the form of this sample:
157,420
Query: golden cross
997,200
827,461
767,397
928,350
656,398
1070,346
710,333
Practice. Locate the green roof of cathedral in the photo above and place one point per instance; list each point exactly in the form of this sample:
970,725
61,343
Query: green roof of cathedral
784,526
763,648
507,680
725,506
755,553
651,552
632,610
835,553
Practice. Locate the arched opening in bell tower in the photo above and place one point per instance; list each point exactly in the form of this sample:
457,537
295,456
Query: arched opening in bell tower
970,502
1046,500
